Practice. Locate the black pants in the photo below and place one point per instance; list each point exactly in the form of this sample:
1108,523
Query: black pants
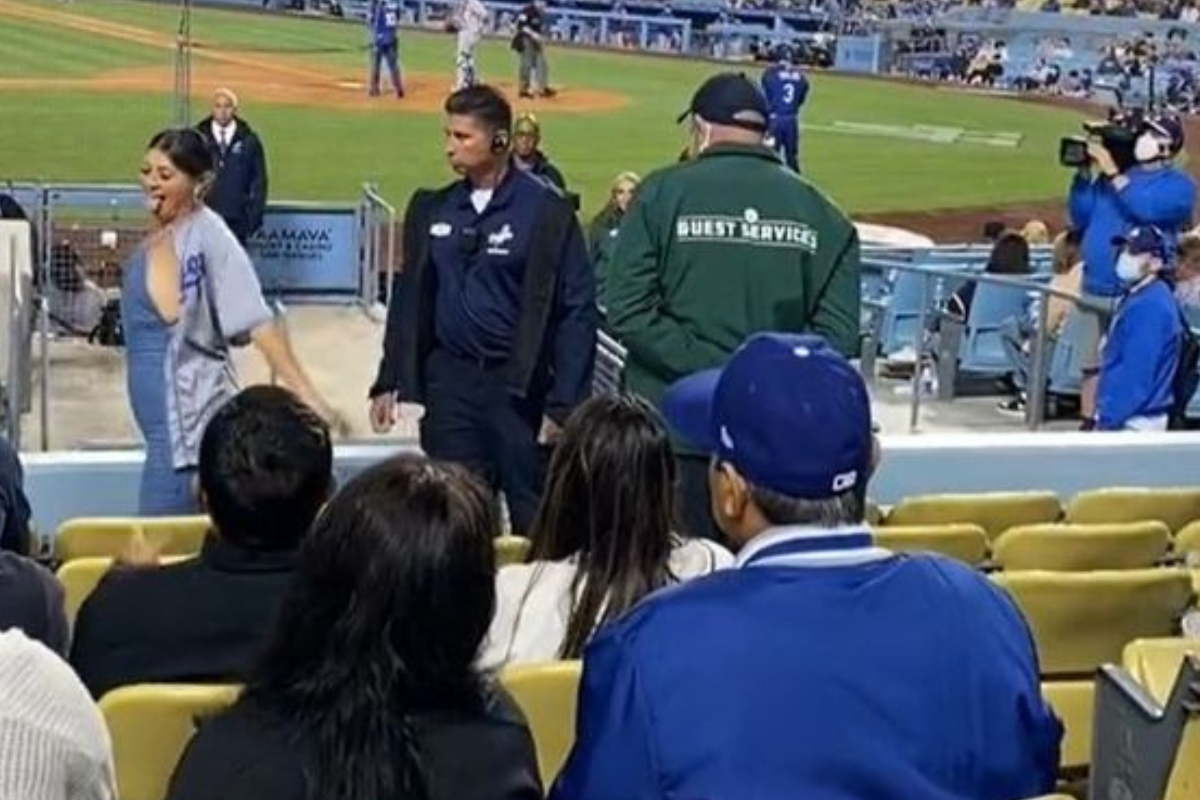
695,504
470,418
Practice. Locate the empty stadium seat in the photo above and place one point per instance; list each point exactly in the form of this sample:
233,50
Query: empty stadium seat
547,693
1073,702
967,543
1154,663
1187,540
981,351
511,550
109,536
1174,506
1082,547
150,725
1081,620
995,512
80,577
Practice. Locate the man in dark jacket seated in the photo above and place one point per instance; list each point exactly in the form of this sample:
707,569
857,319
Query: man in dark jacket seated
266,469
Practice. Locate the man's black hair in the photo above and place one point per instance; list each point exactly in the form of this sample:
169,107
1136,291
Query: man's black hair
483,103
266,469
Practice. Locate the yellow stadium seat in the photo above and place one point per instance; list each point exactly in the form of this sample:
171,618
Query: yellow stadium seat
1187,541
874,514
1074,703
79,578
150,725
511,550
1081,620
1175,507
995,512
547,693
109,536
1080,547
967,543
1154,663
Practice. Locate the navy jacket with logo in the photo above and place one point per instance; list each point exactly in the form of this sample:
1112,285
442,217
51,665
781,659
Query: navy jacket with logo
512,286
239,193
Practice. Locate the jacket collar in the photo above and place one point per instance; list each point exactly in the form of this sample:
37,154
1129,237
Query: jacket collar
224,556
801,546
501,195
733,149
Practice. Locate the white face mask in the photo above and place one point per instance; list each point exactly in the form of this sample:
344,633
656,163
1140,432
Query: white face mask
1148,148
702,137
1130,268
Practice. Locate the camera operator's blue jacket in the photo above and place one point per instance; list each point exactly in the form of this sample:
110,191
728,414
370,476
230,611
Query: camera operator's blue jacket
1165,198
1141,355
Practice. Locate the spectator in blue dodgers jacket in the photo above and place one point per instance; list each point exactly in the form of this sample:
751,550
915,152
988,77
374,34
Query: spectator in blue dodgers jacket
1141,352
820,667
239,190
492,325
1108,204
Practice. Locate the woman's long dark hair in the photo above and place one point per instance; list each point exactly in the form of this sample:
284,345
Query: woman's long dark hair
609,502
393,593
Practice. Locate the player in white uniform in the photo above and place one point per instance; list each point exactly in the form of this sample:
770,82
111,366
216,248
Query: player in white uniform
472,19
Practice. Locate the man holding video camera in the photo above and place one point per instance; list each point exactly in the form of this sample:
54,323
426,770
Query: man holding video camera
1125,179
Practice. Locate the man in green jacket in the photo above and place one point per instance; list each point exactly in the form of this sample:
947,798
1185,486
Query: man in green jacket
725,245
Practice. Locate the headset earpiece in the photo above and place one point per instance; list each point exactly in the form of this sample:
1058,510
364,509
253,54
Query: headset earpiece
500,141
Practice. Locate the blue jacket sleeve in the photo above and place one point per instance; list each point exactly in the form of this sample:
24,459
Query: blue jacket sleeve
612,757
802,92
1081,201
577,318
1025,765
1127,378
1166,199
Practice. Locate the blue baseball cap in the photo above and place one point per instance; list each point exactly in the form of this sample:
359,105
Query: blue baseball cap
787,411
1144,239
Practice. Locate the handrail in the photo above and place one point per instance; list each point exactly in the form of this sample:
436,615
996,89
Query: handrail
1037,389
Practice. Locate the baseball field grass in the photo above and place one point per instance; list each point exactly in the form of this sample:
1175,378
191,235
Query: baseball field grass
84,85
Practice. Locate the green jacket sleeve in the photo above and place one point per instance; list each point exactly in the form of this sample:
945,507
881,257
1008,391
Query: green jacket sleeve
634,299
837,316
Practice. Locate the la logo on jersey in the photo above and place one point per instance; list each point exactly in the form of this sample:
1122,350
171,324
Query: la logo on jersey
749,229
498,241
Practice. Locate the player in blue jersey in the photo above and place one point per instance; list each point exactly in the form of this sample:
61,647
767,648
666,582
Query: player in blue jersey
384,19
786,88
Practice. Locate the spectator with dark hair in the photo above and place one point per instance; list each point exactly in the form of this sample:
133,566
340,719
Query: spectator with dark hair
31,599
605,536
188,294
14,505
1009,256
368,689
821,665
492,325
266,469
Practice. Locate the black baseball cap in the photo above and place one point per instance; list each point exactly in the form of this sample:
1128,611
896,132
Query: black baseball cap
730,98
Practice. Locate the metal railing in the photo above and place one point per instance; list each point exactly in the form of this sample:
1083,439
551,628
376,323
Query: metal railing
932,283
378,242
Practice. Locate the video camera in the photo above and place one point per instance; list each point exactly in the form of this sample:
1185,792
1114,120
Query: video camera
1119,133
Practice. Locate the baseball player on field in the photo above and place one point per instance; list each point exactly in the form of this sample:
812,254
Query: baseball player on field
470,20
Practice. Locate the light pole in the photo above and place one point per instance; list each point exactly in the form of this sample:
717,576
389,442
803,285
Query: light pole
182,98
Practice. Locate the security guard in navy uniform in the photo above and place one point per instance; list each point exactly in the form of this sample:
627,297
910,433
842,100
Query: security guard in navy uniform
492,326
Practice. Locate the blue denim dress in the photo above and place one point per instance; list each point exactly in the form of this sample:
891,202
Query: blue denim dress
165,491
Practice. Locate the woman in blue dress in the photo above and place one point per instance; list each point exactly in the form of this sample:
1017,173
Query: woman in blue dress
188,292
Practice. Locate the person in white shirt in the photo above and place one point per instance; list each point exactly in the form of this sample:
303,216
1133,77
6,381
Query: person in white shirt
53,742
471,18
604,537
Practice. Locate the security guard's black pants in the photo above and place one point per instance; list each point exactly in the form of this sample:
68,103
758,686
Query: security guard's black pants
470,418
